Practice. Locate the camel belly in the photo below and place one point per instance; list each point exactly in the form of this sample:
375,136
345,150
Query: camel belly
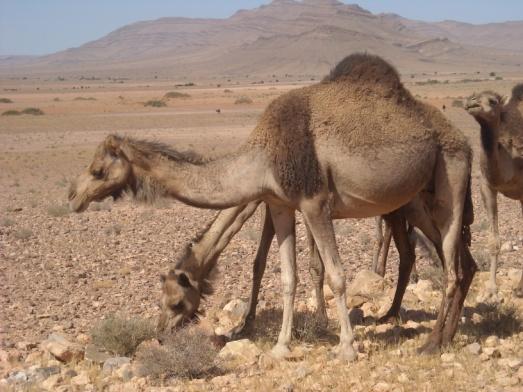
379,181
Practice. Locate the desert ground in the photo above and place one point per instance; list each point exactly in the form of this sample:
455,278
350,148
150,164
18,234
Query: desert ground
63,272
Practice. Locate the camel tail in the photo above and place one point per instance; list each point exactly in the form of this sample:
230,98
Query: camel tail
468,214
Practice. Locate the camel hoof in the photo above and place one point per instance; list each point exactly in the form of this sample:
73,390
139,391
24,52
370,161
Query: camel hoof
429,348
280,351
345,352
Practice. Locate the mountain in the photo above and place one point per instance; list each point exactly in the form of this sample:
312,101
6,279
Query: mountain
284,37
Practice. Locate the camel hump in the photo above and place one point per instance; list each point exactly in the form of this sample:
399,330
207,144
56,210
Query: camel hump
517,92
366,68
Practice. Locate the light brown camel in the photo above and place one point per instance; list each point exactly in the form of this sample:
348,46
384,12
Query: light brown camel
501,161
200,257
355,145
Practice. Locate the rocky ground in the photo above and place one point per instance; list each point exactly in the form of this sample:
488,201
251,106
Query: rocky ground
62,273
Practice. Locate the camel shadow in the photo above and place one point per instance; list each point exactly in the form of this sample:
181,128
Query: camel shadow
500,320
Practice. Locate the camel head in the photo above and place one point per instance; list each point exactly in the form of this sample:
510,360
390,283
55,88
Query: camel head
179,300
109,174
486,107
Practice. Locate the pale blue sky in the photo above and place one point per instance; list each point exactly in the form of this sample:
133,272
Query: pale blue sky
46,26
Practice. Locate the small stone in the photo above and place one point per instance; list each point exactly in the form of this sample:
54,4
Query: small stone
267,362
492,341
491,352
95,355
81,379
507,247
448,357
125,372
51,382
366,284
33,357
115,363
243,350
25,346
474,348
483,357
17,378
403,378
62,349
289,387
302,371
83,339
232,318
381,387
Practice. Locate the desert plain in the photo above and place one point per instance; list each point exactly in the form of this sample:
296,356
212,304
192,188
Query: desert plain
63,272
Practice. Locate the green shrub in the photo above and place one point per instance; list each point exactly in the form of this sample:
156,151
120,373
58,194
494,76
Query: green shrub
33,111
85,99
155,103
11,113
5,100
176,94
243,100
121,335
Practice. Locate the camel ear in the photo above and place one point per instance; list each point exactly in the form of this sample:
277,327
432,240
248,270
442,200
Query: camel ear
112,144
183,280
504,100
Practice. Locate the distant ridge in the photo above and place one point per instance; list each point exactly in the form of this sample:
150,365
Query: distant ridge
283,37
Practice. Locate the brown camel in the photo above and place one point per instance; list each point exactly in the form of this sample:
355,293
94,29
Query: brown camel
201,255
501,162
355,145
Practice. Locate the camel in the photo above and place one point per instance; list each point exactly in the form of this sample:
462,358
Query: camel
501,162
200,257
355,145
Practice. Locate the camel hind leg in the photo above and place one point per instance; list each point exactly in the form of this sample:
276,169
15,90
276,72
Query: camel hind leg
381,248
451,184
317,271
489,197
519,289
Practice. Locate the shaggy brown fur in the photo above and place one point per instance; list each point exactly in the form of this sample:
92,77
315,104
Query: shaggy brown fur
517,92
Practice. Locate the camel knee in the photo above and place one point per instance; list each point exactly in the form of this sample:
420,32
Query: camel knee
493,246
289,284
337,283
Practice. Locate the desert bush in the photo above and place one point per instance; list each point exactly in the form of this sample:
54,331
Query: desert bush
85,99
227,91
33,111
482,259
11,113
5,100
176,94
56,99
457,103
501,320
6,222
23,234
115,229
58,210
432,273
307,327
243,100
155,103
121,335
187,353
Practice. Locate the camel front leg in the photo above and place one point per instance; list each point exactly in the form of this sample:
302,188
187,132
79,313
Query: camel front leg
317,215
379,242
382,264
490,202
260,262
284,224
317,271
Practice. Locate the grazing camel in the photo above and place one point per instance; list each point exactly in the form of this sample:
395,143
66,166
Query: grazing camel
200,257
501,162
355,145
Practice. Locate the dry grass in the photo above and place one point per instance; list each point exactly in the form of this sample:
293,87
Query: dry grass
6,222
11,113
23,234
176,94
121,335
188,353
85,99
33,111
155,103
500,320
243,101
59,210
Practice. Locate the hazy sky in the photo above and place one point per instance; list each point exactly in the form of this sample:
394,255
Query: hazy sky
46,26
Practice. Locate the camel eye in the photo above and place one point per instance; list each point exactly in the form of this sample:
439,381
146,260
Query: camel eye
98,174
177,307
492,102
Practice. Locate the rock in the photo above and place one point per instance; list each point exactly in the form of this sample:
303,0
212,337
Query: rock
62,349
473,348
423,290
95,355
33,357
356,301
403,378
240,350
491,352
492,341
115,363
302,371
448,357
52,382
369,309
83,339
18,378
381,387
125,372
232,318
81,379
267,362
38,374
507,247
513,363
25,346
327,292
366,284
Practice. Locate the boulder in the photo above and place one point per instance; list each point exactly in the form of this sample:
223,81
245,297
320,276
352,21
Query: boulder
231,319
366,284
115,363
240,350
474,348
62,349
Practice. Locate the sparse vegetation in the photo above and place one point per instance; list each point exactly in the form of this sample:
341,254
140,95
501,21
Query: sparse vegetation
227,91
500,320
308,328
457,103
243,101
121,335
56,99
176,94
58,210
482,259
33,111
85,99
5,100
155,103
23,234
188,353
6,222
11,113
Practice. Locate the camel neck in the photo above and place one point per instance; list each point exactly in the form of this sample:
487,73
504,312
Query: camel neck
489,137
489,158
